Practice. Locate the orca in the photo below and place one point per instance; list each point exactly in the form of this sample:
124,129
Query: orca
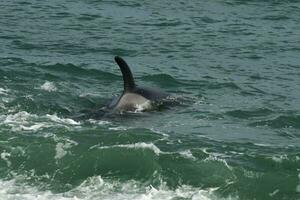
134,97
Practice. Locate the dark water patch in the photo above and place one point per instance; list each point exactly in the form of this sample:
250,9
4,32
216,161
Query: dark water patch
256,90
163,24
34,106
88,17
60,15
164,80
24,3
257,167
119,51
25,45
117,136
55,102
278,171
230,85
287,133
256,2
11,61
207,116
256,77
209,20
254,57
276,17
283,121
248,114
259,182
81,161
129,4
204,173
12,37
76,70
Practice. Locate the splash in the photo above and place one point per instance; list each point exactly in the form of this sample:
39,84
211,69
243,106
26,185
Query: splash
24,121
49,86
96,187
139,145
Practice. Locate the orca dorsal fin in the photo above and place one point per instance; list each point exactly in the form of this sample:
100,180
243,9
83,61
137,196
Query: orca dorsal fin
129,84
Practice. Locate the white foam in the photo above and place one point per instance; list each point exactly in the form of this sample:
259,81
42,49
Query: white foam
24,121
4,156
279,158
20,117
99,122
187,154
139,145
159,132
2,106
4,91
95,188
33,128
49,86
273,193
62,148
118,128
262,144
55,118
213,157
298,186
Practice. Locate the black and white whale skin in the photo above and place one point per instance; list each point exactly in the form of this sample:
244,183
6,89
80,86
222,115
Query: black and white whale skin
134,97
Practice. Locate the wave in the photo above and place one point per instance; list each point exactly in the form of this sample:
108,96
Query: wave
96,187
4,91
162,79
68,68
77,70
24,121
140,145
246,114
49,86
276,17
220,85
283,121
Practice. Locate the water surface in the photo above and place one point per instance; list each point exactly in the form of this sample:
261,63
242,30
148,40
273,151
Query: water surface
234,64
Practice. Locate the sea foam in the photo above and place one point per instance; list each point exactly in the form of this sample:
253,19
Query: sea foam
95,188
139,145
48,86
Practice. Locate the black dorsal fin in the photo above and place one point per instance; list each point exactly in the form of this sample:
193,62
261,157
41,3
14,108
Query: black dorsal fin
129,84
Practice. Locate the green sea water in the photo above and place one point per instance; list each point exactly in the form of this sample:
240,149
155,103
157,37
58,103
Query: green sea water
232,66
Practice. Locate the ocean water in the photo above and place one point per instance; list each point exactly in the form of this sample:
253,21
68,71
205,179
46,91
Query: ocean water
233,67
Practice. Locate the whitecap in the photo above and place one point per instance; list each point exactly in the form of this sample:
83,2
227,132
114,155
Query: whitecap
274,193
139,145
212,157
24,121
4,91
48,86
98,122
55,118
33,128
96,187
280,158
61,148
20,117
4,156
159,132
118,128
187,154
